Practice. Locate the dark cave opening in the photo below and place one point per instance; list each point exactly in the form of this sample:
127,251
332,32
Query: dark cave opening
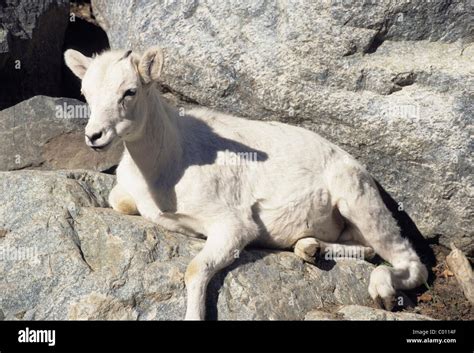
85,35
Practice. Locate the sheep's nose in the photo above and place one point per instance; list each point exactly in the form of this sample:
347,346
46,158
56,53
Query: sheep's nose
94,137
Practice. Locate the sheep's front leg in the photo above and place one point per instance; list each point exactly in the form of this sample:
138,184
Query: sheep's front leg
122,201
224,242
307,248
349,250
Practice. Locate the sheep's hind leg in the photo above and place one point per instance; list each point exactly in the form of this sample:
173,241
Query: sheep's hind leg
122,202
366,211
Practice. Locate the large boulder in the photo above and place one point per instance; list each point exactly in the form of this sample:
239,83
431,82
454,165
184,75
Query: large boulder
390,81
64,255
48,133
364,313
31,40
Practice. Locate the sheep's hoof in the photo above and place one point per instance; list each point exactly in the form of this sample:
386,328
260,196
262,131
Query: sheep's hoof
307,249
369,253
126,206
385,303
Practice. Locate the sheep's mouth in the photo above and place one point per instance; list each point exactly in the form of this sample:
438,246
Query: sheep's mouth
102,148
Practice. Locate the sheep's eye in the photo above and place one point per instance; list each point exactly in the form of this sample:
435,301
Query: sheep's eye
129,92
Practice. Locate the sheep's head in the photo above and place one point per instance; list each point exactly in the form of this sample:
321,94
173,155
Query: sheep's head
113,84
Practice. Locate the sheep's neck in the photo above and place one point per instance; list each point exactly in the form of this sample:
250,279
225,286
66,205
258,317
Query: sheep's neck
158,152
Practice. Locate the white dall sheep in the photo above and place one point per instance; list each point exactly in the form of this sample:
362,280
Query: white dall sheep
235,181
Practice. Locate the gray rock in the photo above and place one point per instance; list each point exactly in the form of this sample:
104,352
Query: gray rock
362,313
320,315
358,312
391,82
31,40
63,255
48,133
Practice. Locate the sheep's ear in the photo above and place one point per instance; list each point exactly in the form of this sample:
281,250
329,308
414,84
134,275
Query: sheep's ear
151,64
77,62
